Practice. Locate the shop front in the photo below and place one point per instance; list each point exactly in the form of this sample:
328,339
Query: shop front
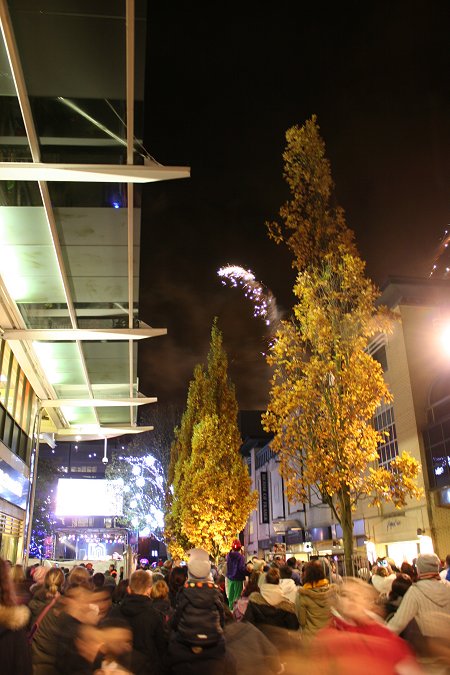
401,537
14,488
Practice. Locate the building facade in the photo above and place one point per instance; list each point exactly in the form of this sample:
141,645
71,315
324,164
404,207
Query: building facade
417,368
71,170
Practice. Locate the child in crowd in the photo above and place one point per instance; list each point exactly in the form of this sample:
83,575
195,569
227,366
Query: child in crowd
197,643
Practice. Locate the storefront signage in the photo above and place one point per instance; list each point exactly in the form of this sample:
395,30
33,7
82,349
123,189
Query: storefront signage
264,497
13,486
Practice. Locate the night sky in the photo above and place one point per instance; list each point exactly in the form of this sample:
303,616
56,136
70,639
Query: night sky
223,87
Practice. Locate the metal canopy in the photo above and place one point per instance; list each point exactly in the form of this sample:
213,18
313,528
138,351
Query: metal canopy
69,212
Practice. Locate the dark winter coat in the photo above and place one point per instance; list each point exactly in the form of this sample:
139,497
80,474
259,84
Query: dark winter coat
236,568
199,614
15,655
262,612
147,627
38,603
46,642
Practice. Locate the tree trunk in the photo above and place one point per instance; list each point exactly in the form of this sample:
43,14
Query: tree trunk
347,530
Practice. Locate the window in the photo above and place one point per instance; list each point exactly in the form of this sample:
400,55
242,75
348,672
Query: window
384,422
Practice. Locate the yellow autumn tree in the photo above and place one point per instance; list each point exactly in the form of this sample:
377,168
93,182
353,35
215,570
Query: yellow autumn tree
211,497
326,387
180,453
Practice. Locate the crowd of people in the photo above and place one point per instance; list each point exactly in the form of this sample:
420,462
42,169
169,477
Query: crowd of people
240,617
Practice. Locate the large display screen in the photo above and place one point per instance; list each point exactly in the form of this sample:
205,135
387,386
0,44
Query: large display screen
89,497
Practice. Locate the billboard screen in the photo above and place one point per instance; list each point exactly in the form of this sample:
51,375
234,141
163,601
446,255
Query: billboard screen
89,497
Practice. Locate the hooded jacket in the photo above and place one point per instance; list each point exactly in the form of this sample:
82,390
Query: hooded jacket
147,627
199,614
313,607
425,601
15,655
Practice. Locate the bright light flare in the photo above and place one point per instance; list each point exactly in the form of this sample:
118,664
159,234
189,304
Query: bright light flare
445,338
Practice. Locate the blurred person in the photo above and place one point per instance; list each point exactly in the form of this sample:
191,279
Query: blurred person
90,568
399,587
110,649
78,576
159,595
21,585
121,573
240,606
288,586
53,649
15,656
425,600
38,575
48,592
445,573
145,622
314,599
177,579
98,580
236,573
102,598
292,562
269,607
382,578
197,643
410,570
252,651
356,639
120,591
78,609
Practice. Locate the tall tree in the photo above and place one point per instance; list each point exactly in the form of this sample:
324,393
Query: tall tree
212,496
325,386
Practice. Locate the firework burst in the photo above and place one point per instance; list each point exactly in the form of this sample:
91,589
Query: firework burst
264,303
441,263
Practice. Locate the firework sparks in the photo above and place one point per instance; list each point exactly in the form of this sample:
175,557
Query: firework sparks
440,266
264,303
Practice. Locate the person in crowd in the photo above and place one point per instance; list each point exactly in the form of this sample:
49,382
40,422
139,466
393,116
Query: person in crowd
410,570
15,656
356,639
423,604
120,591
252,651
78,576
288,587
269,607
38,575
145,622
197,644
236,573
90,568
98,580
240,606
177,579
102,599
48,592
398,589
382,577
292,563
109,648
21,585
445,573
76,610
160,598
314,599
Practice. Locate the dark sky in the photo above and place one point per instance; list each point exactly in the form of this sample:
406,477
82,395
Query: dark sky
223,86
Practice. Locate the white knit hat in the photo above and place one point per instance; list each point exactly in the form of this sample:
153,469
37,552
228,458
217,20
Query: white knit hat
199,567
